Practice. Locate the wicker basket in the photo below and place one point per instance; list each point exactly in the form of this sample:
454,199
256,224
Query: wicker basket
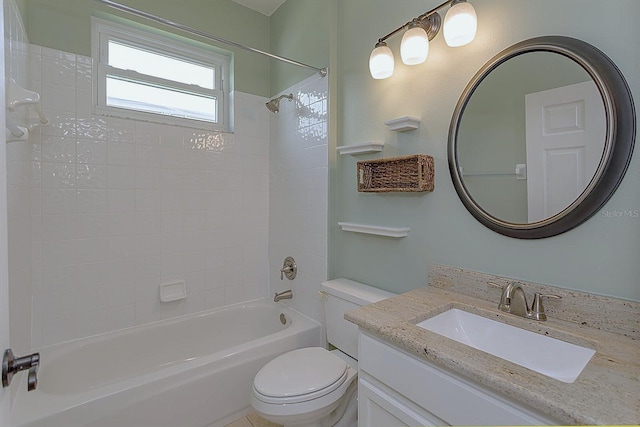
408,173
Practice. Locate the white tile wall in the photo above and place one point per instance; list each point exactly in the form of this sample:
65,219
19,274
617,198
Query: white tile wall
119,207
112,208
19,175
298,193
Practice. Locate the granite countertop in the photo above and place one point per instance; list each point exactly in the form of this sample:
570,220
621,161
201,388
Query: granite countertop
606,392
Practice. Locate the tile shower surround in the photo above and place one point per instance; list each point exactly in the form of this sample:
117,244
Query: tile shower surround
120,206
18,189
299,177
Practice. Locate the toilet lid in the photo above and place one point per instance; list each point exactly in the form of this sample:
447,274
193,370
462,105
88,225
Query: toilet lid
301,372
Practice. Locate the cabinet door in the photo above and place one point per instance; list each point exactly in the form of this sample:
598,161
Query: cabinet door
379,408
445,395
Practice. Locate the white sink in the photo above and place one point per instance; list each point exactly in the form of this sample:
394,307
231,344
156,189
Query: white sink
549,356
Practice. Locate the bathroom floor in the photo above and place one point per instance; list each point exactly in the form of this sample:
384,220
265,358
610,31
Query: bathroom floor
252,420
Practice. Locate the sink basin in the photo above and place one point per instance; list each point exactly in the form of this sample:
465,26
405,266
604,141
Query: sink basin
549,356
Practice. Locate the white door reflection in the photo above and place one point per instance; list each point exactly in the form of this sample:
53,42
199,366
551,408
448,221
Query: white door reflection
565,128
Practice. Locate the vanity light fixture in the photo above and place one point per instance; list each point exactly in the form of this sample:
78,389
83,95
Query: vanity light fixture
381,61
460,26
415,44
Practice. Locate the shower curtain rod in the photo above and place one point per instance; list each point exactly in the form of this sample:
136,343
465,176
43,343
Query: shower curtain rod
137,12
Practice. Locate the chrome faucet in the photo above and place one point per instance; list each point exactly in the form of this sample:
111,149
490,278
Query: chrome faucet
288,294
12,365
513,300
289,269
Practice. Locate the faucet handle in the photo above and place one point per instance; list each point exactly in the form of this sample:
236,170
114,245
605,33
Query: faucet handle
537,309
289,269
12,365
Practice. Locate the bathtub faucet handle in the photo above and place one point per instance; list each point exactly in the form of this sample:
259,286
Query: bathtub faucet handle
284,270
32,378
289,269
11,365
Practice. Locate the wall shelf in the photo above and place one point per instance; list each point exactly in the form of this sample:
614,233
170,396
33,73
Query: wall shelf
17,97
396,232
369,147
403,124
14,132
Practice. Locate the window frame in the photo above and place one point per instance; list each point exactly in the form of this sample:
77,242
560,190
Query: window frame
104,31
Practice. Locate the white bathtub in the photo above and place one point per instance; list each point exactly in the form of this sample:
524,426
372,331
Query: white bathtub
191,372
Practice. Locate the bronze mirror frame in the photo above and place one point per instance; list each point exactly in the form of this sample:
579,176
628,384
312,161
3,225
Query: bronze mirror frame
619,140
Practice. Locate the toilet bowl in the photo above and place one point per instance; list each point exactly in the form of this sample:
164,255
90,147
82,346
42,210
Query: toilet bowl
307,387
314,387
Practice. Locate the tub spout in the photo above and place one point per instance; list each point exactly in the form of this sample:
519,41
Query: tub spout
288,294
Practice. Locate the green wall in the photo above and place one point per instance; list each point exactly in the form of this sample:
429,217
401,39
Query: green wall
299,31
600,256
66,25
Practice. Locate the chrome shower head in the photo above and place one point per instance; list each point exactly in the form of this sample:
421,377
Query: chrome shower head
274,104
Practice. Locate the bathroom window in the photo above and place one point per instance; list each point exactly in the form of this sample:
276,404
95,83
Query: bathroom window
145,76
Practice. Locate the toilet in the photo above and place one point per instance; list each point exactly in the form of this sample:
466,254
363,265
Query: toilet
313,386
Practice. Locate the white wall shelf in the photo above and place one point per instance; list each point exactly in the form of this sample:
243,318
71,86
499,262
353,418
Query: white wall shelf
14,132
17,97
375,229
403,124
369,147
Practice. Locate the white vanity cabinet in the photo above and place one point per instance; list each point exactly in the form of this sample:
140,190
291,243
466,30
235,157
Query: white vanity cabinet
396,388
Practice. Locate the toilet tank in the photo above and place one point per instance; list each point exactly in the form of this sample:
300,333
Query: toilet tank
343,295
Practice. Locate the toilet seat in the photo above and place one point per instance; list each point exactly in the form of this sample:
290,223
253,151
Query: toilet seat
300,376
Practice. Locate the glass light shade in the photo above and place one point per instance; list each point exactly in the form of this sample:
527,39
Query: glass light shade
460,24
415,46
381,63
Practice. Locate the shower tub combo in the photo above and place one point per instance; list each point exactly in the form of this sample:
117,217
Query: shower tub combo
193,371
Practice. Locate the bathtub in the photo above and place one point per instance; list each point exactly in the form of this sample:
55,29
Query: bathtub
193,371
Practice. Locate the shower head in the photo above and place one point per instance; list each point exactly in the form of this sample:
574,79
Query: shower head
274,104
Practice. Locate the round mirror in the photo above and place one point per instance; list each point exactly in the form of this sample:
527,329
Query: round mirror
541,137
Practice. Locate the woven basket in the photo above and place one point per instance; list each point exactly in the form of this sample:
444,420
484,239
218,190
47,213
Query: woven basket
403,174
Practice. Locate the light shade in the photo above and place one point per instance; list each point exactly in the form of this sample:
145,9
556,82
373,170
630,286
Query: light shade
415,46
381,62
460,24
